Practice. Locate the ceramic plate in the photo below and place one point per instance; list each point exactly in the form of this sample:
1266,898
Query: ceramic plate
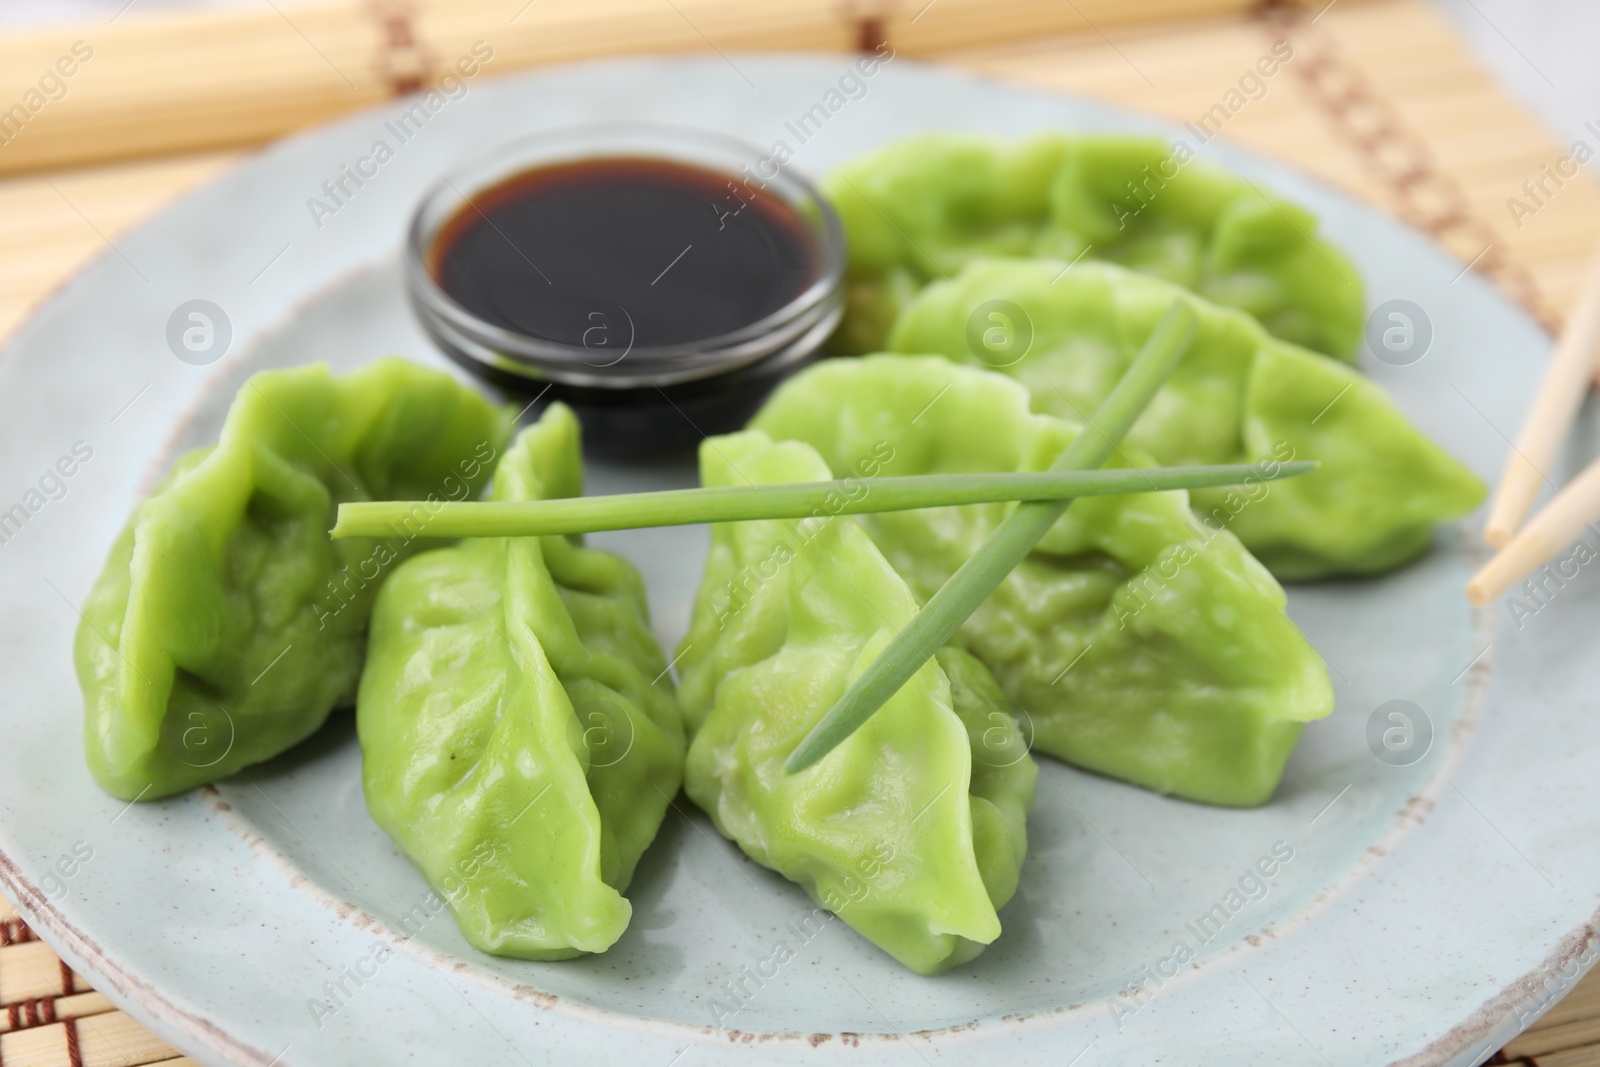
1424,906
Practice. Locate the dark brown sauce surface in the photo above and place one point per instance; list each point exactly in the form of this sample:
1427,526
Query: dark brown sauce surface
623,252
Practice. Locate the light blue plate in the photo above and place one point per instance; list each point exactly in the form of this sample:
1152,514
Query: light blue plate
1424,913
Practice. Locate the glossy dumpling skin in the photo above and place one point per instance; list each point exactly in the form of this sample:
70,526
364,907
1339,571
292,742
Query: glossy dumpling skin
913,829
226,624
918,209
519,736
1135,641
1239,395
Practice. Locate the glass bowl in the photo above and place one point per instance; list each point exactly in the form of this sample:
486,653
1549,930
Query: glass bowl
633,398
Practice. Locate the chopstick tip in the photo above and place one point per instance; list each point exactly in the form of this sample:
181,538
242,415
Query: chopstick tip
1498,535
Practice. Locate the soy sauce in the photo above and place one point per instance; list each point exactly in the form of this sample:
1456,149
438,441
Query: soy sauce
623,251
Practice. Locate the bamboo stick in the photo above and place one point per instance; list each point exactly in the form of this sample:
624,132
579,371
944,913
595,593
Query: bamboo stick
112,1039
150,84
1545,427
1540,1041
1582,1003
31,970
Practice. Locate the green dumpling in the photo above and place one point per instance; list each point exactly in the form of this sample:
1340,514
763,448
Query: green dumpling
520,740
1239,395
913,830
1139,642
919,209
226,624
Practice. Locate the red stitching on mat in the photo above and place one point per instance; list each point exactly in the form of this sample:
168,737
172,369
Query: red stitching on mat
74,1055
869,21
403,62
34,1011
66,978
870,34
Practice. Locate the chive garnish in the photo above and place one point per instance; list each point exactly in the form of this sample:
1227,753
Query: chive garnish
738,503
945,612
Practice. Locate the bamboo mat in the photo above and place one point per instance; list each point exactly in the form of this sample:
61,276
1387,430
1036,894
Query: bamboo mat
1380,99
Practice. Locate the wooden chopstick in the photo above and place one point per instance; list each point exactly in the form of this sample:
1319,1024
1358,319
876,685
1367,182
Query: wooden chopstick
1557,525
1545,427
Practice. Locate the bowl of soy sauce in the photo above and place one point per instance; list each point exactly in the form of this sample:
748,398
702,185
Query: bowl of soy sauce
660,280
